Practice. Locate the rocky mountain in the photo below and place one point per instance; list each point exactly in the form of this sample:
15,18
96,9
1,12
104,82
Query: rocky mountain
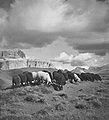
12,54
79,70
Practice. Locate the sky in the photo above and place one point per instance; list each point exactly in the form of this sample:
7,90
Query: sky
74,32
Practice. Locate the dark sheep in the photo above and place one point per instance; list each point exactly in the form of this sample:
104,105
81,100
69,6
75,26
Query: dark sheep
23,78
16,81
59,77
87,77
90,77
84,77
29,77
70,76
97,77
64,72
65,75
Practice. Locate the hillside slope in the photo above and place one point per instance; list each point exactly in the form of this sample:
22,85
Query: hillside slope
103,71
82,101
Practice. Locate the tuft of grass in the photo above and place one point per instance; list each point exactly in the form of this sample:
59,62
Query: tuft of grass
81,105
41,115
44,90
60,107
22,93
9,117
63,95
96,103
34,99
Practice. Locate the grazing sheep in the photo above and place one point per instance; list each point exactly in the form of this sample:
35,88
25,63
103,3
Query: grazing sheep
71,76
97,77
23,78
16,81
84,77
59,77
34,74
51,76
29,77
44,76
76,78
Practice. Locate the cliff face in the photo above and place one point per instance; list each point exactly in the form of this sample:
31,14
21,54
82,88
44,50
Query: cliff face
15,54
23,63
10,59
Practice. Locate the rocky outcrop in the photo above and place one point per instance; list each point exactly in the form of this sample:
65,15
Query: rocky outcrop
15,59
12,53
23,63
79,70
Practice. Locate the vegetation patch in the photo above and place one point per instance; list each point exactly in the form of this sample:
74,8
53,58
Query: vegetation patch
41,115
81,105
63,95
9,117
44,90
60,107
34,99
96,103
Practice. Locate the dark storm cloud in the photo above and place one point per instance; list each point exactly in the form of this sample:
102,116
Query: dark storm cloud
98,49
102,1
38,23
6,4
27,39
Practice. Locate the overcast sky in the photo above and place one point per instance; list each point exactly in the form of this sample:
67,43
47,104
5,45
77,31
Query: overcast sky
69,31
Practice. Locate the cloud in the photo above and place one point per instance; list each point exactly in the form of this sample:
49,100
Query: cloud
3,20
5,4
82,59
98,49
64,57
37,23
59,16
46,15
77,60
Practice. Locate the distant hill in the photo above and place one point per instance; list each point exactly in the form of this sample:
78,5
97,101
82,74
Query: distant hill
99,69
79,70
103,71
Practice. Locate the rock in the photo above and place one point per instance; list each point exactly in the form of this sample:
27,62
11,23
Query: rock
12,53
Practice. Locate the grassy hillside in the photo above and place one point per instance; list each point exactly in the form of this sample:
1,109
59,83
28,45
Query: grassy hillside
82,101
